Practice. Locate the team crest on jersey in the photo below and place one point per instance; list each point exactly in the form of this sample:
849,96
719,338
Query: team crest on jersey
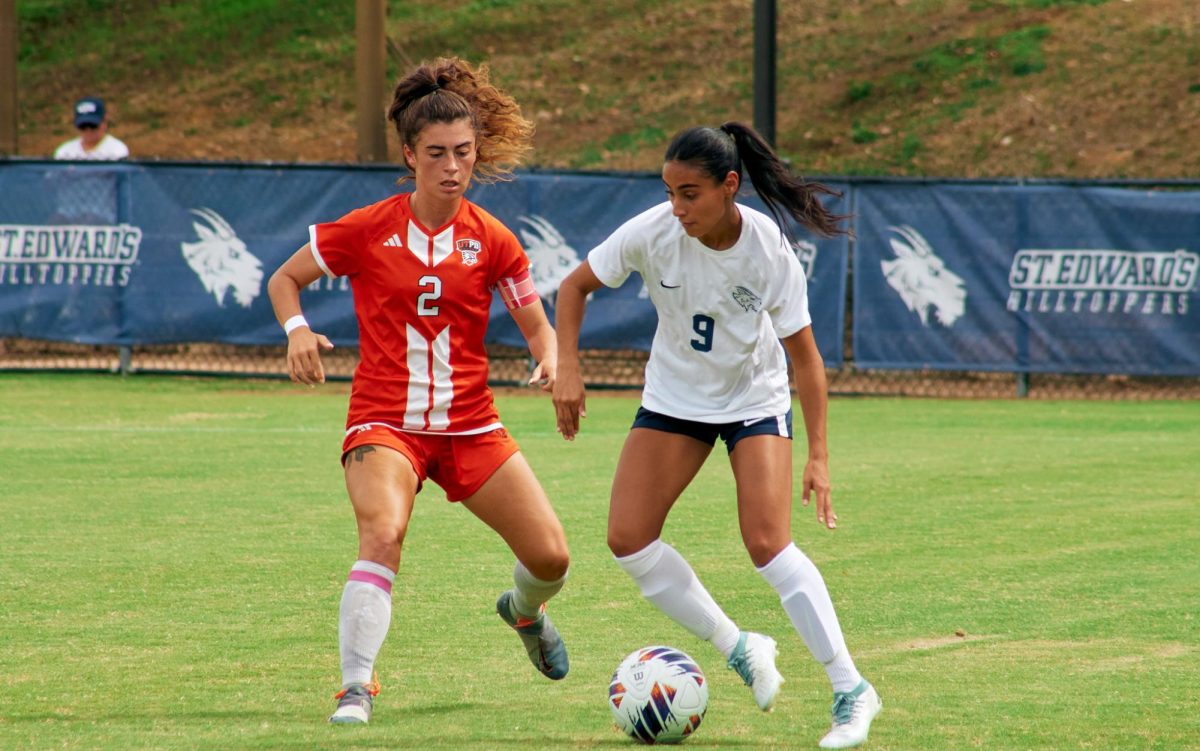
470,250
747,299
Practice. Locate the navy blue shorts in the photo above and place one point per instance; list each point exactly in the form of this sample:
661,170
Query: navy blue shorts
730,432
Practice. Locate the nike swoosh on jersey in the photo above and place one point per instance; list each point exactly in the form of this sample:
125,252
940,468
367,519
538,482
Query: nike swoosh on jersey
668,286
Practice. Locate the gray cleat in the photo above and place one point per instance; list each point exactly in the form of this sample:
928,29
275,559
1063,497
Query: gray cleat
541,639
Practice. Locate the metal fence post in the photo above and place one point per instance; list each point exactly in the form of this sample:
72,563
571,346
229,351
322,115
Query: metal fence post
764,69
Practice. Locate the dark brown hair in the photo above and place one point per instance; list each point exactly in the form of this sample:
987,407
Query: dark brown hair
447,90
719,151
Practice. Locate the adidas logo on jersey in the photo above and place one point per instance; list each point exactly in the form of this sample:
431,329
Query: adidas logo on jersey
393,241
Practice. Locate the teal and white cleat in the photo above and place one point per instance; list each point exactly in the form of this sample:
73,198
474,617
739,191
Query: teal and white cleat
541,639
354,703
852,715
754,660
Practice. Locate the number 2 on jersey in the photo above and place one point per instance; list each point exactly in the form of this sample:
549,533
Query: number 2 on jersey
425,300
702,325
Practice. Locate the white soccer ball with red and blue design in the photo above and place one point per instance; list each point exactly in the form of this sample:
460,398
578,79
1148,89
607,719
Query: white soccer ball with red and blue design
658,695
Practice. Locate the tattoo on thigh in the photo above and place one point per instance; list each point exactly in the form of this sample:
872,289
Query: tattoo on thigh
360,454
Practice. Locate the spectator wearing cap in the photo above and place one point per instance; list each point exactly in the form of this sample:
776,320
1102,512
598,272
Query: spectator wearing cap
94,142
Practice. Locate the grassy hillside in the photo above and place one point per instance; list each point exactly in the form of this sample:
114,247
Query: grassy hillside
1086,88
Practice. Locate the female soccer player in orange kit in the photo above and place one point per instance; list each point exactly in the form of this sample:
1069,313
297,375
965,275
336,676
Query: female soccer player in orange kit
423,268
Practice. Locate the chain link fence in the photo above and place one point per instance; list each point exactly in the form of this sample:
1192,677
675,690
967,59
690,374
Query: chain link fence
613,369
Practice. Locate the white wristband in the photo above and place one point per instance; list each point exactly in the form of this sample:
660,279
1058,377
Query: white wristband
294,323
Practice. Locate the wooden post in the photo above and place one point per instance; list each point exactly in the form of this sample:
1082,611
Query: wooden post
369,70
8,78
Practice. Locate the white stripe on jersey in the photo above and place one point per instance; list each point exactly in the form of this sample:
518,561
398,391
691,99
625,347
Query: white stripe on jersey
443,245
418,243
312,243
430,251
417,360
430,388
366,425
443,387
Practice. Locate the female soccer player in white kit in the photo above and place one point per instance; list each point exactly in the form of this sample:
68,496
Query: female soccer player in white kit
728,288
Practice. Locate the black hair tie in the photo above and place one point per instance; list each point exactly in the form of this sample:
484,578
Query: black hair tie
426,90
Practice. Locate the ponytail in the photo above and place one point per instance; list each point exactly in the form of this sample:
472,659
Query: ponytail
734,146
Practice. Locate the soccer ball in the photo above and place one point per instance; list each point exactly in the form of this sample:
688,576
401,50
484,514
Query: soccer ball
658,695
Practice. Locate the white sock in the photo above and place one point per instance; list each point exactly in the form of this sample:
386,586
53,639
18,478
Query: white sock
363,619
530,592
806,601
667,580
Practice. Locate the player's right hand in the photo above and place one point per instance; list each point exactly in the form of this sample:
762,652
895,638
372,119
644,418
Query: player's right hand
569,401
816,485
304,356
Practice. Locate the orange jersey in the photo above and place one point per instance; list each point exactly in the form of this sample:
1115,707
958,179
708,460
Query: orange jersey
421,298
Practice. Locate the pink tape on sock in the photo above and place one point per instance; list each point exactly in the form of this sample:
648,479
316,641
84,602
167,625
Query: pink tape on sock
368,578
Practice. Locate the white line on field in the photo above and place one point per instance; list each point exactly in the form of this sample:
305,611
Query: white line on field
199,429
155,429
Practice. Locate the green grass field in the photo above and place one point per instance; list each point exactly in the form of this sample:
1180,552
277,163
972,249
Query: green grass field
1010,575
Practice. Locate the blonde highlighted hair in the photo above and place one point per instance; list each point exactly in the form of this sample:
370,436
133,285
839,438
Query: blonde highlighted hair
449,89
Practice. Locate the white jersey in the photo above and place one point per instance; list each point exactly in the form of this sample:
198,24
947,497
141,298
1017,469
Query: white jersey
716,355
110,148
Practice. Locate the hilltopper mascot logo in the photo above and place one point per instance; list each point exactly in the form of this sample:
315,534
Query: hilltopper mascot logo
550,257
221,260
922,280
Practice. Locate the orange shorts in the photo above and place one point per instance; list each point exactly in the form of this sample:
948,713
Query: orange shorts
460,464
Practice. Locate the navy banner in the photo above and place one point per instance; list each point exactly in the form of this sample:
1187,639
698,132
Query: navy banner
153,254
958,276
1042,278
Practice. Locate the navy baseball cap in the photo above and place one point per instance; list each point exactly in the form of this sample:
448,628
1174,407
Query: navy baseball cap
89,111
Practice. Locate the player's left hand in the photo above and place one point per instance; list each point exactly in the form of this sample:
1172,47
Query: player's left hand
543,375
816,484
304,356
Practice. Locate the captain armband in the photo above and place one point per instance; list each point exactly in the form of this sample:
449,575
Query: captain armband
517,291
